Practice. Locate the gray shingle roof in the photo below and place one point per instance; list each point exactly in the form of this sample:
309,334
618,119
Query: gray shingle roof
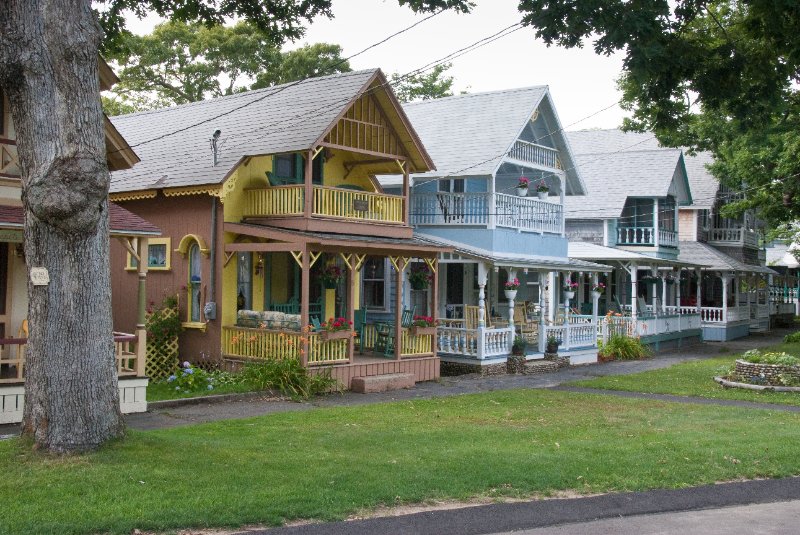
279,119
468,135
703,185
613,177
715,260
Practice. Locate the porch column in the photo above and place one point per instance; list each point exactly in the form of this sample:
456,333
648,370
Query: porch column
483,274
655,223
141,331
552,292
678,283
434,304
406,193
595,298
725,280
699,292
351,307
654,287
308,186
736,288
663,292
305,296
398,308
512,274
634,270
562,180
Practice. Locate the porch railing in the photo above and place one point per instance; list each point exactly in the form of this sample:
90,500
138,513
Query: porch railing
667,238
340,203
570,335
485,209
9,160
476,343
129,358
646,236
733,236
647,326
535,154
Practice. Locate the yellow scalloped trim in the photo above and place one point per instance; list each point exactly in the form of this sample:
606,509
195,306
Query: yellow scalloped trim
133,195
192,190
186,241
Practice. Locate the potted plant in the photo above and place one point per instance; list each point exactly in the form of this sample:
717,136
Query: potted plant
542,189
552,344
569,289
511,288
518,347
420,277
331,276
336,329
422,325
598,290
522,186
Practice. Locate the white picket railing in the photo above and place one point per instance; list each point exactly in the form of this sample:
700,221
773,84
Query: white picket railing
570,335
537,154
733,236
478,343
647,326
667,238
646,236
528,213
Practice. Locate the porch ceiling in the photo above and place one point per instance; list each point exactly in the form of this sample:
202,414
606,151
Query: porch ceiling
330,242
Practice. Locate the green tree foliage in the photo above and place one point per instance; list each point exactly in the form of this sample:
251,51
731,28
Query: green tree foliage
180,63
718,76
423,86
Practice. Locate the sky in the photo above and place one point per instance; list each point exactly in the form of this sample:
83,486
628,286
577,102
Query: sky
581,82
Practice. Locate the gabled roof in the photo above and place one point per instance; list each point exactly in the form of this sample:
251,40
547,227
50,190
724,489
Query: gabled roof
121,221
174,143
703,184
468,135
615,167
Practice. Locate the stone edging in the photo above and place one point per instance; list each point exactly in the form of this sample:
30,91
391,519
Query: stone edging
747,386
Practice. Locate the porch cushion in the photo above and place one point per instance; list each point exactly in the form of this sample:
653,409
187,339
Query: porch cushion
268,319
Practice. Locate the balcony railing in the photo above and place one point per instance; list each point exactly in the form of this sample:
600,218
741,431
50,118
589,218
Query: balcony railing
328,202
535,154
646,236
486,209
9,160
734,236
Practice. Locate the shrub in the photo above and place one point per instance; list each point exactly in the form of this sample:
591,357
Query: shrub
163,323
755,356
790,338
621,347
190,379
288,376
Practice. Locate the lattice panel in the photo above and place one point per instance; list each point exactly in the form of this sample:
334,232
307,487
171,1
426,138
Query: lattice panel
162,357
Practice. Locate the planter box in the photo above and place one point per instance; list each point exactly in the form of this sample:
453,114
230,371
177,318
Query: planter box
420,331
335,335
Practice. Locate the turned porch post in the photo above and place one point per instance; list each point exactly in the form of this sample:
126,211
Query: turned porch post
398,308
512,274
351,307
305,294
434,305
141,331
483,274
634,270
725,280
699,292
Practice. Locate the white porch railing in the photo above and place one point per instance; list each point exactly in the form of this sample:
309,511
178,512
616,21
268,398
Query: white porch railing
478,343
733,236
667,238
647,326
476,210
536,154
646,236
570,335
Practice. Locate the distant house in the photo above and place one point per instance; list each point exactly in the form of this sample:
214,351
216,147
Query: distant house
125,227
273,224
484,145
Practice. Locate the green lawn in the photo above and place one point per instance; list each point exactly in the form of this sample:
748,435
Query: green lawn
328,463
694,378
160,391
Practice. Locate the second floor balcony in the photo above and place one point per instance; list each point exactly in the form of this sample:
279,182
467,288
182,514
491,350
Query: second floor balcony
738,236
647,236
488,210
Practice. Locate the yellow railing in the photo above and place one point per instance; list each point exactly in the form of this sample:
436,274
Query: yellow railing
280,345
359,205
277,201
370,335
416,344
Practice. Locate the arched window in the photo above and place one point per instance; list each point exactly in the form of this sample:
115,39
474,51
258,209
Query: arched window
195,285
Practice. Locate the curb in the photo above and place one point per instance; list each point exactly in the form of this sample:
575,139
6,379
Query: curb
217,398
748,386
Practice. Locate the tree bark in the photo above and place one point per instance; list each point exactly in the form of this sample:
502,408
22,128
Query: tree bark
48,69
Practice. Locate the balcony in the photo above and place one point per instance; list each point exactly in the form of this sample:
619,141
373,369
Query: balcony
486,210
646,236
733,237
535,154
284,206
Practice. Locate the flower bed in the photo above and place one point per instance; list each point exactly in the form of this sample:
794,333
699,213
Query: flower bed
769,369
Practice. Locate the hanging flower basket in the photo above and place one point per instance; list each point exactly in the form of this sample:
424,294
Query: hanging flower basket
596,294
542,195
568,294
522,192
420,277
331,276
511,294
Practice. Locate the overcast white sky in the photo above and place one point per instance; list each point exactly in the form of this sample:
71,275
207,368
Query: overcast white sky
581,82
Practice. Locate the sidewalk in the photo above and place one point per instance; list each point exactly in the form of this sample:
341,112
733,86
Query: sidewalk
198,412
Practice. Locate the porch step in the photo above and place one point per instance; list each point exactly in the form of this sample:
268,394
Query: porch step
381,383
537,367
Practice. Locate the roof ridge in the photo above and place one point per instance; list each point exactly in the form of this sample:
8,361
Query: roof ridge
474,95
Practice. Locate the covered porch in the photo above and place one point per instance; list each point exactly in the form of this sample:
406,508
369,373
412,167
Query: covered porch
338,303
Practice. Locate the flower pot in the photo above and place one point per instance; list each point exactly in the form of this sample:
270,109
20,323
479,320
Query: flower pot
596,294
522,192
420,331
419,285
335,335
542,195
329,285
569,294
551,348
511,294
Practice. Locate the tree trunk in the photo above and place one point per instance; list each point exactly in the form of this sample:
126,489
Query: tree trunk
48,69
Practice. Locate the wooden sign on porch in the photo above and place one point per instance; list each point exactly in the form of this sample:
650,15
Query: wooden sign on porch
361,205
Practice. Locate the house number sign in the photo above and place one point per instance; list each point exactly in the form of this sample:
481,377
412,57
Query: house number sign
40,276
360,205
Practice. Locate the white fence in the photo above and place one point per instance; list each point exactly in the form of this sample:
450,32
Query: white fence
647,325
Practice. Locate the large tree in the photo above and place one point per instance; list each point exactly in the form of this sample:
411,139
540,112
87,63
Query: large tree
181,62
709,75
419,86
49,72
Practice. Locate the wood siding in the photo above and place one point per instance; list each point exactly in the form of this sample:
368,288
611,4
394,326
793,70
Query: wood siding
177,217
424,369
583,230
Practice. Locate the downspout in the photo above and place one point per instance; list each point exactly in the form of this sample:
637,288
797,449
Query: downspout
213,278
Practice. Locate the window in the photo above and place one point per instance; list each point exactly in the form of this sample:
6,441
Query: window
158,255
666,215
374,287
637,213
703,219
455,185
290,169
195,284
244,282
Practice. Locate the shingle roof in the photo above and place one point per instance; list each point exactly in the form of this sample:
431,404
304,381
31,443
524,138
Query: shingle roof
468,135
601,253
703,185
715,260
613,177
121,221
278,119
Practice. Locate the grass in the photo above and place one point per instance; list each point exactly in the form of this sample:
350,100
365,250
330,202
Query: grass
695,378
329,463
160,391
